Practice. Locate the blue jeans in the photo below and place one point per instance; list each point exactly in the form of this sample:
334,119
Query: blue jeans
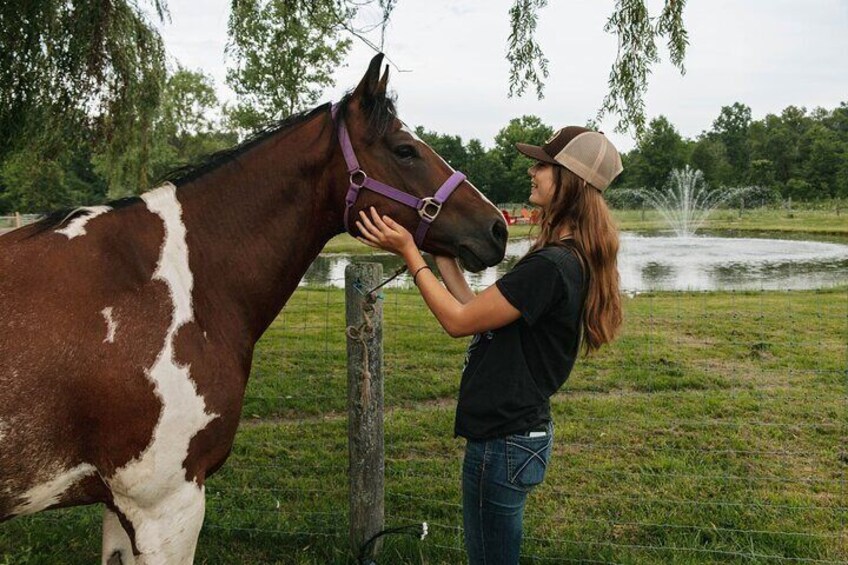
497,475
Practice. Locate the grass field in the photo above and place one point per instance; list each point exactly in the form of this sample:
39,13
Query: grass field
713,431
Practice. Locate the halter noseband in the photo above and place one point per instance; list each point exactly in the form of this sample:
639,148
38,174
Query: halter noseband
428,208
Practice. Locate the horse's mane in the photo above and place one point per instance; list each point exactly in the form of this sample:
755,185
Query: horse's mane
379,111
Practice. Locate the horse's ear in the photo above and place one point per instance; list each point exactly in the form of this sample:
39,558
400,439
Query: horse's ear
370,84
384,81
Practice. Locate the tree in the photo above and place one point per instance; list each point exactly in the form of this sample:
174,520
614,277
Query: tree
773,141
317,23
87,66
761,173
709,155
450,147
488,173
822,156
731,129
184,129
526,129
661,150
285,53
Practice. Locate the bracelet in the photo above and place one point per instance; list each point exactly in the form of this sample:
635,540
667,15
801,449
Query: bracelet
418,270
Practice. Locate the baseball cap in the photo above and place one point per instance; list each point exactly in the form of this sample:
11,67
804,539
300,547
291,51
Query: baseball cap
586,153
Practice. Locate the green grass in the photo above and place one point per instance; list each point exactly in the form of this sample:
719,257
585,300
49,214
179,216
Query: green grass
712,431
802,220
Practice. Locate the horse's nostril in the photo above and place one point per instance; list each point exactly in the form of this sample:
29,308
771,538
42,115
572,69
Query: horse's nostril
499,230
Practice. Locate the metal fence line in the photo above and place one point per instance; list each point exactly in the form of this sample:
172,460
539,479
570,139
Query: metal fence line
308,343
672,502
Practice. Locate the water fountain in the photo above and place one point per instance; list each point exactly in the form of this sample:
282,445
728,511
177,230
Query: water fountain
684,260
689,261
686,201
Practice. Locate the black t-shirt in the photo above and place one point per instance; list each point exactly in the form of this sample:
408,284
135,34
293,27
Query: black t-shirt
511,372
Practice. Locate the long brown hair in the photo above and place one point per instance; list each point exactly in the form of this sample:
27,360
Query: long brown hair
581,208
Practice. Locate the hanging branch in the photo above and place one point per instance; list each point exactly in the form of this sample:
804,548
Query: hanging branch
637,53
527,63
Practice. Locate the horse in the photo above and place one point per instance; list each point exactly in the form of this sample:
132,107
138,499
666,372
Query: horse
128,329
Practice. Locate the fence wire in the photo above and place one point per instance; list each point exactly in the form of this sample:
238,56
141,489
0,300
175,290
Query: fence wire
713,430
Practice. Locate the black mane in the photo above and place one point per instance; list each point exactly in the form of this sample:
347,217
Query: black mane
192,171
379,110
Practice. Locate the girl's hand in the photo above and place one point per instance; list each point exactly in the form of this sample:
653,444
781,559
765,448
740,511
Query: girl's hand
384,233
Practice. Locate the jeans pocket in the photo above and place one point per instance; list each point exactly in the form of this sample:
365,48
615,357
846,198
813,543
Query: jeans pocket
527,459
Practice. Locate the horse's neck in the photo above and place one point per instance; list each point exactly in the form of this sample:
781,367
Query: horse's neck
257,223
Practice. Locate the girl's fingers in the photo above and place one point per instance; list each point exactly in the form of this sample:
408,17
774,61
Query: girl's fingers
366,232
368,243
378,221
364,218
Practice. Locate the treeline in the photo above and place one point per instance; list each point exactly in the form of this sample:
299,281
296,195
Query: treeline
798,154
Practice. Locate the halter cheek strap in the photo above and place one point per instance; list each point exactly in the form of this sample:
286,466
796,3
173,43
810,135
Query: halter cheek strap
428,208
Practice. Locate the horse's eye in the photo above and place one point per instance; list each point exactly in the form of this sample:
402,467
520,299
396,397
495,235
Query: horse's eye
405,151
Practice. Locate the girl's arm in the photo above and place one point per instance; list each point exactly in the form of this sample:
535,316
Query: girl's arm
454,279
488,310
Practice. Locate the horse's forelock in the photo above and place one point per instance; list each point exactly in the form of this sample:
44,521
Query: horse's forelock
380,113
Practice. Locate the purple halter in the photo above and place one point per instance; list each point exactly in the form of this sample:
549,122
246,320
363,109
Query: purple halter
428,208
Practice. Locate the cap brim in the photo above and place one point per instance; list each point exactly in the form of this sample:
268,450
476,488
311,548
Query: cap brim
535,152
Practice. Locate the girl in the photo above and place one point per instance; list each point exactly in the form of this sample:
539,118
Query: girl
527,330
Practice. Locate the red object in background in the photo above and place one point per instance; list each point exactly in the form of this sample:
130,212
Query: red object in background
509,219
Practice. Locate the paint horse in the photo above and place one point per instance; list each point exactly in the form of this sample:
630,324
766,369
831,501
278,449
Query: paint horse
127,330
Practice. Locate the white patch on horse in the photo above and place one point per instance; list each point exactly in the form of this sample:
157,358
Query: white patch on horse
411,132
76,227
111,325
50,492
115,540
4,430
152,491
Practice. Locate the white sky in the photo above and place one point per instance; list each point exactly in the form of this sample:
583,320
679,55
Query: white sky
767,54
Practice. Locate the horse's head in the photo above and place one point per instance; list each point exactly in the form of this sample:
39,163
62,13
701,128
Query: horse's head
467,226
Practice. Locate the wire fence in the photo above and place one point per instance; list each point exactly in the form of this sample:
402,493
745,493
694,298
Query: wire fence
713,430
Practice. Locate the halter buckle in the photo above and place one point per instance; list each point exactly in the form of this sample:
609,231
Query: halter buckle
425,212
353,176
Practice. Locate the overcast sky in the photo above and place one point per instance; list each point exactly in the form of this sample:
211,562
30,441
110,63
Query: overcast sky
767,54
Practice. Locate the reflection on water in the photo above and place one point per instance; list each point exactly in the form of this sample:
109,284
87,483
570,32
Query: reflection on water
648,262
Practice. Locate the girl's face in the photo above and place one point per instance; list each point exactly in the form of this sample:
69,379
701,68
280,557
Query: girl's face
541,184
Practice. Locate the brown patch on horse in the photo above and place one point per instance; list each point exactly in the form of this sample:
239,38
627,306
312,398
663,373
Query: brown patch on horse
101,409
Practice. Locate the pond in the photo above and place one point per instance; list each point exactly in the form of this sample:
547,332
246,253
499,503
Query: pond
666,262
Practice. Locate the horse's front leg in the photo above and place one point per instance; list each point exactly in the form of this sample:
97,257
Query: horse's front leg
166,531
117,546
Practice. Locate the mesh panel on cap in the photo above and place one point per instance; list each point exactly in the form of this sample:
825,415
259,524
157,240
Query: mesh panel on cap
592,157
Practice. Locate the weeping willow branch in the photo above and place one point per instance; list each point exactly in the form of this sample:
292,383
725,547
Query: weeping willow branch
95,67
527,63
637,53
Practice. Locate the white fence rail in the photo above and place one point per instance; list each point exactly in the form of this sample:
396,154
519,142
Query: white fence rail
16,221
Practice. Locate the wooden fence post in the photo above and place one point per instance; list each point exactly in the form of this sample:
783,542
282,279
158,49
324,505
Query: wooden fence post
17,219
364,321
